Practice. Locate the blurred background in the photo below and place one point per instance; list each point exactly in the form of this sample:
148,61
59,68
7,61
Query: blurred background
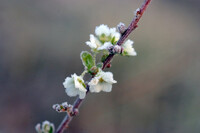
157,91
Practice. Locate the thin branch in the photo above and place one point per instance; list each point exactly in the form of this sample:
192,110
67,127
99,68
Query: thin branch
133,25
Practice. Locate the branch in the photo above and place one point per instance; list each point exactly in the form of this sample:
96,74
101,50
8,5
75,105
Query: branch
133,25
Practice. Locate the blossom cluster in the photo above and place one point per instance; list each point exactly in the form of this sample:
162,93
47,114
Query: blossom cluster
107,37
105,41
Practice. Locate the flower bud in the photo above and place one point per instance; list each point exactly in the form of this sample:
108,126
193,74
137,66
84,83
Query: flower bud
64,107
109,65
115,49
121,27
94,70
137,13
75,112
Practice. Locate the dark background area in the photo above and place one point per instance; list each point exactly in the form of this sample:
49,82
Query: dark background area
157,91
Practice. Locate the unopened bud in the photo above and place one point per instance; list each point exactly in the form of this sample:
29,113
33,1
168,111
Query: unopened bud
75,112
115,49
121,27
94,70
118,49
64,107
137,13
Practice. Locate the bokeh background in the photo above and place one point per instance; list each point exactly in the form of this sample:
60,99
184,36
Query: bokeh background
157,91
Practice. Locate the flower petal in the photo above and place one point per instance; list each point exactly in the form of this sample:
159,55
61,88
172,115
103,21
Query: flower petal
106,87
102,29
105,46
108,77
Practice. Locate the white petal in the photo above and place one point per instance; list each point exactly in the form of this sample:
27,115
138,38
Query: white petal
94,81
106,87
115,34
128,44
91,45
112,30
71,92
108,77
95,88
129,48
68,82
74,86
82,95
102,82
105,46
132,52
102,29
78,84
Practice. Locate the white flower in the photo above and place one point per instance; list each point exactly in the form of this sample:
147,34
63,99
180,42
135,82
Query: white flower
105,46
94,43
102,82
75,86
105,37
115,34
102,29
128,48
45,128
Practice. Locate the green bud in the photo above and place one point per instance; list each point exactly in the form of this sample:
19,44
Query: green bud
103,58
94,70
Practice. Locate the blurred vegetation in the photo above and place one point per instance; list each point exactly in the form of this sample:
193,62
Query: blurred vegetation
157,91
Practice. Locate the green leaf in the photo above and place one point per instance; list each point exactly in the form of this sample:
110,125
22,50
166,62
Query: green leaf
87,60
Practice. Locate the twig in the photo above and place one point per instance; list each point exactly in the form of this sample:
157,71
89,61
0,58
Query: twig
133,25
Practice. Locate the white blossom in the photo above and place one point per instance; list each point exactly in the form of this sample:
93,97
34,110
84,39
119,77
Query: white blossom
75,86
102,29
102,82
105,37
45,128
128,48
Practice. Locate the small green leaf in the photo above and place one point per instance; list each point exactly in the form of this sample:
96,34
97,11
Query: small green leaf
113,40
87,60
